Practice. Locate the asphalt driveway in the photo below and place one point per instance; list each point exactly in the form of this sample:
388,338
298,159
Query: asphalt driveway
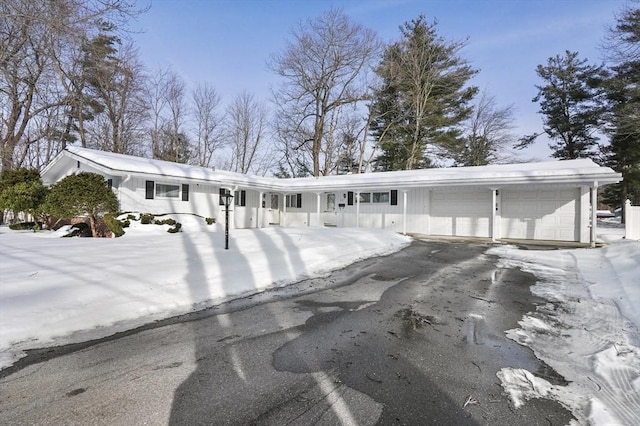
412,338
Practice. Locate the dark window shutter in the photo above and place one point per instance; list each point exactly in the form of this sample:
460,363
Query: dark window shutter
185,192
243,198
149,187
110,183
299,200
394,197
350,198
222,192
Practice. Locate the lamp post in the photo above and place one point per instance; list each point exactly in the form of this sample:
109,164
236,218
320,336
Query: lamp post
227,200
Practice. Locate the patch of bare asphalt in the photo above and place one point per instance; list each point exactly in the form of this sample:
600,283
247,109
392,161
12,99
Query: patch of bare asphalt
429,350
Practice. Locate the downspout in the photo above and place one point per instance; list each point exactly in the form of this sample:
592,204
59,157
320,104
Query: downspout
125,180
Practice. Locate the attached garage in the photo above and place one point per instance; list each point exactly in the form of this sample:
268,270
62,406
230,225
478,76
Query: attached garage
461,213
540,214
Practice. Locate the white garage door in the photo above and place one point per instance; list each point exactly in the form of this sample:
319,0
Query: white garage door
540,214
461,213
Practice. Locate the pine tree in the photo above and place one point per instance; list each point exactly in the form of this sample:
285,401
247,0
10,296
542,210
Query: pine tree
423,98
624,119
572,103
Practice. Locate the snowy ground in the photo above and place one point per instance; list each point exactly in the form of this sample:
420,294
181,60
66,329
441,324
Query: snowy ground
588,331
57,290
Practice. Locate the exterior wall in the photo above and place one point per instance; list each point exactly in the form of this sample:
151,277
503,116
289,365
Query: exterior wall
245,216
203,198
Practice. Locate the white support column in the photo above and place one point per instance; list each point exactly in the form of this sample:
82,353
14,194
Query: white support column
260,218
318,204
404,212
283,221
585,215
357,195
495,215
594,209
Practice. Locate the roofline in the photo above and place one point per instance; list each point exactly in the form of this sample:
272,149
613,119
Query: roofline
327,183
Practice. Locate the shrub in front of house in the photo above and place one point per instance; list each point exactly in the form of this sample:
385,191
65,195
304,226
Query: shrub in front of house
146,218
175,228
22,226
210,220
114,225
165,222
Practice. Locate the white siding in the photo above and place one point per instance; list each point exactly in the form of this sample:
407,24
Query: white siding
203,199
461,213
541,214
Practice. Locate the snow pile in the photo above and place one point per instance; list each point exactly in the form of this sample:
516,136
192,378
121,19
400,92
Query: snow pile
64,290
588,331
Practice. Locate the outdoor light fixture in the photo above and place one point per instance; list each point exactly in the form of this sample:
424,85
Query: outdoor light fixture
226,197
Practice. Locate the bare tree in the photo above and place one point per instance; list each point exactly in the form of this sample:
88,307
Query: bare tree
206,102
156,101
246,128
322,68
37,55
488,137
120,88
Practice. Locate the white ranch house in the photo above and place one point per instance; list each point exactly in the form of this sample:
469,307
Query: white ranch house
552,201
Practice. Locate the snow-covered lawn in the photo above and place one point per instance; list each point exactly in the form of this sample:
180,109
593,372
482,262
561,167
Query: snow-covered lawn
56,290
63,290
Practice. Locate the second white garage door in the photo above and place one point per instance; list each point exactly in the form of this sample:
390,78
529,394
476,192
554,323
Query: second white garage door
540,215
461,213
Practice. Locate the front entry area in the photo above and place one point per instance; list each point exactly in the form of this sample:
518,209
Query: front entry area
330,213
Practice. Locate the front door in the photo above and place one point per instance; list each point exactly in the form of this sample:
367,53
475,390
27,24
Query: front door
274,209
330,215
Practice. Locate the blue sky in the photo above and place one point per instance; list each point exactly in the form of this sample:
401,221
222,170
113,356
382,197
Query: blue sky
227,43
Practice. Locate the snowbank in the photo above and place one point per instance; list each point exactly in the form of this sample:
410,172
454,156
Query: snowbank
63,290
587,331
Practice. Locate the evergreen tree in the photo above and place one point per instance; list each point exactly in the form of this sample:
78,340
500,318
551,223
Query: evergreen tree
423,98
21,190
572,103
624,119
81,194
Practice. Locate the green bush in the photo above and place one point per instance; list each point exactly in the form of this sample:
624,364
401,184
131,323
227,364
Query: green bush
176,228
81,194
126,223
210,220
165,222
22,226
146,218
131,217
114,225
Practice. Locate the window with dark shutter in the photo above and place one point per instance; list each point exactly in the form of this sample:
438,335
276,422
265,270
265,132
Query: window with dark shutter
149,189
110,183
185,192
394,197
299,200
350,198
240,198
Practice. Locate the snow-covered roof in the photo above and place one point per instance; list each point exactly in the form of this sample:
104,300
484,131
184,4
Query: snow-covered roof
567,172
